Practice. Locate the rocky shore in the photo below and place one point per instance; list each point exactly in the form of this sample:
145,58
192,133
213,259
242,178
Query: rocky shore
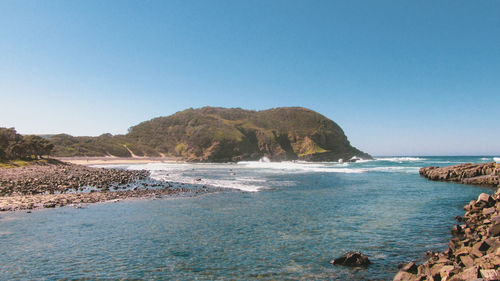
474,251
62,177
486,174
28,202
59,184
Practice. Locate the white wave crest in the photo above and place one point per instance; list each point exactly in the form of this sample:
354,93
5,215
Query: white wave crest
401,159
496,159
244,184
251,176
393,169
297,167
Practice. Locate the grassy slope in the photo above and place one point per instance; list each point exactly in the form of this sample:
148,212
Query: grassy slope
27,163
218,134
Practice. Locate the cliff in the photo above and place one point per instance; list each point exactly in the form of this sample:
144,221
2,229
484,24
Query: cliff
222,135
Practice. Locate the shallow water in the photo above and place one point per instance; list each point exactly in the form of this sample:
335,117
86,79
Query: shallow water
294,218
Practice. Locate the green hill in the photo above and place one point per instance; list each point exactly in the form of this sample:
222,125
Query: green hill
212,134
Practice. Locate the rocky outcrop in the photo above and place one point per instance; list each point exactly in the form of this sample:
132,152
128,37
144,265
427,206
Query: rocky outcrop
351,259
474,251
63,177
60,184
486,174
28,202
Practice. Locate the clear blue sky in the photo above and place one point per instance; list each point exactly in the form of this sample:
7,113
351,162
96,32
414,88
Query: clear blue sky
400,77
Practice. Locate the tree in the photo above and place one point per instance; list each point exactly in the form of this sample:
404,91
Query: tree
37,146
47,148
14,146
16,150
8,137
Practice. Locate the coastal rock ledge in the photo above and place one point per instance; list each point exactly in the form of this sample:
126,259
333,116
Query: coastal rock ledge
486,174
474,251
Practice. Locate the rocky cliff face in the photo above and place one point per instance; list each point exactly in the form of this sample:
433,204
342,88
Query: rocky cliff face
212,134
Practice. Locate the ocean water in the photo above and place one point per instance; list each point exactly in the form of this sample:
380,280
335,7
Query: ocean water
276,221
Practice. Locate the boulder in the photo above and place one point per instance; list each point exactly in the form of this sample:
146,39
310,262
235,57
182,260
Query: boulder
483,197
351,259
490,274
466,275
405,276
467,260
474,250
411,267
494,230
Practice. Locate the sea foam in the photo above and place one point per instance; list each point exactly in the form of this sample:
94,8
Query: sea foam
253,176
401,159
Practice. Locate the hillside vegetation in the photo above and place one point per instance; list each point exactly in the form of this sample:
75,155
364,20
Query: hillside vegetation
14,146
220,135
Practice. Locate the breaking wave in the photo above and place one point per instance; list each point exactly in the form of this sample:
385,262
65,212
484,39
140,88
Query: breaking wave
401,159
253,176
258,175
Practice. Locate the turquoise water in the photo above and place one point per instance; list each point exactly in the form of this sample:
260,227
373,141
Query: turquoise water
288,223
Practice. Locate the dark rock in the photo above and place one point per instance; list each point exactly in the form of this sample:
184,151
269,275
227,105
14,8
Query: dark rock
49,205
351,259
456,230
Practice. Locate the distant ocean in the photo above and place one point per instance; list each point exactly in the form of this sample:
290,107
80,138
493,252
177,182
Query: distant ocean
275,221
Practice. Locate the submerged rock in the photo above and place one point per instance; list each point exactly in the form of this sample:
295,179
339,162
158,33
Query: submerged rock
351,259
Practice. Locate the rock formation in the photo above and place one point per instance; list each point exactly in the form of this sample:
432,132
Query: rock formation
480,174
474,251
63,177
56,184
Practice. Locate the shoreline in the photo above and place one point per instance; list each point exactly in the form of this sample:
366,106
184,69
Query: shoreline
474,250
57,184
47,201
112,160
484,174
